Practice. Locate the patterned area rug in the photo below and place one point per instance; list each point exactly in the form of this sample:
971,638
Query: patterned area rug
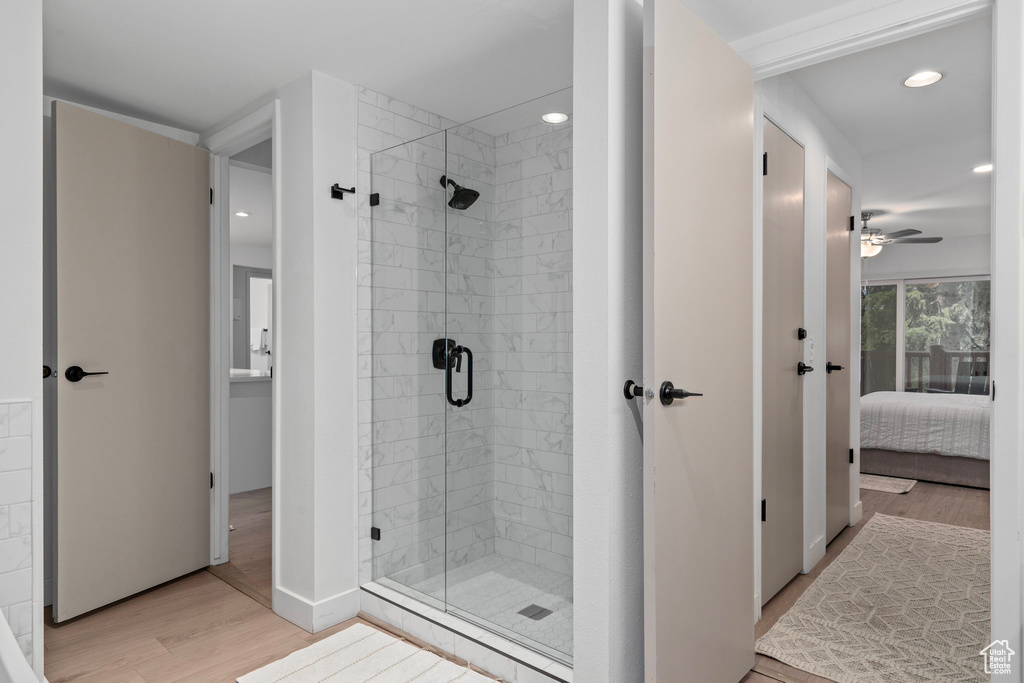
359,654
875,482
906,602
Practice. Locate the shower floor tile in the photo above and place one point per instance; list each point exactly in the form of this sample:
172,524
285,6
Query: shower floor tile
495,588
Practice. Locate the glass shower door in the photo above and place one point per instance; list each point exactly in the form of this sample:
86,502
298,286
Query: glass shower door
408,414
471,373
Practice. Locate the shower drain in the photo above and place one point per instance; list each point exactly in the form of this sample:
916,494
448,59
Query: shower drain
535,612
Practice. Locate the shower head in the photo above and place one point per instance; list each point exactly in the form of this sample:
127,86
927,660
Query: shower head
462,197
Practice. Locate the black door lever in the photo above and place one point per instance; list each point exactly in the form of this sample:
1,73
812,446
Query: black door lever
75,373
803,369
830,368
669,393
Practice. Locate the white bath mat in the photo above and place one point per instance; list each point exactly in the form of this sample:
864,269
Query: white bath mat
875,482
358,654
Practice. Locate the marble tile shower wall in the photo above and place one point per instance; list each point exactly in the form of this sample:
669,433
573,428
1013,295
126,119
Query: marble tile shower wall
16,520
406,429
532,279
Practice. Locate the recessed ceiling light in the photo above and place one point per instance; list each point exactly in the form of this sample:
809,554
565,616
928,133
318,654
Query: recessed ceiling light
984,168
919,80
242,214
555,117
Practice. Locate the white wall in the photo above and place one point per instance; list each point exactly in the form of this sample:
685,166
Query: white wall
790,107
953,256
315,493
607,319
21,297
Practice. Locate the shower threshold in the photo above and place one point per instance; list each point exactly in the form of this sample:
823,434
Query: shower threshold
491,647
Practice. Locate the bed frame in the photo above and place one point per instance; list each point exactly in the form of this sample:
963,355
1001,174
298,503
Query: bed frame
944,469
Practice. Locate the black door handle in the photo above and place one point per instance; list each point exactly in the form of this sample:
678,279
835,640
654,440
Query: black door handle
455,359
75,373
802,369
830,368
669,393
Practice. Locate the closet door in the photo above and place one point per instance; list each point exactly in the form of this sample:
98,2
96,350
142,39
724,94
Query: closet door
782,386
837,356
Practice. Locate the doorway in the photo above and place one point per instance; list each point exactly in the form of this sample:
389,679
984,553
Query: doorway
921,152
250,341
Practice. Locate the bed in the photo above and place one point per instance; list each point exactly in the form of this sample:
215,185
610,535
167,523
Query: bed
932,437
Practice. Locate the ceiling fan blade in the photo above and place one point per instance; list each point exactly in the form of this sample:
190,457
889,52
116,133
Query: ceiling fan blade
900,233
916,240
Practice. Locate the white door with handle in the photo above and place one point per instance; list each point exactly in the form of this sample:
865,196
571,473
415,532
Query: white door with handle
132,280
698,338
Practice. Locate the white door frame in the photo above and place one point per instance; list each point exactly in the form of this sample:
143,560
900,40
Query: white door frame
775,54
258,126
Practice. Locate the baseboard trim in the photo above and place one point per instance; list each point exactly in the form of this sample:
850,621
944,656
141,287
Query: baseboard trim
815,552
316,616
858,512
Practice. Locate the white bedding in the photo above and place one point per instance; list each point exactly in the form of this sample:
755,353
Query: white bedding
946,424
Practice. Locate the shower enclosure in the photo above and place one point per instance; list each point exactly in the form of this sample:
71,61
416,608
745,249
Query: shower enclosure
472,372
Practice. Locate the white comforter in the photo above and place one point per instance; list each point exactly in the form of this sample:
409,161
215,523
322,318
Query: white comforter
946,424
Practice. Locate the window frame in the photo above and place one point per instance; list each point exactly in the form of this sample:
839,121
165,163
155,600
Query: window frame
901,312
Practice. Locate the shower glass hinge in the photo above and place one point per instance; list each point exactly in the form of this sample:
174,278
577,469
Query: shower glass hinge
375,199
375,533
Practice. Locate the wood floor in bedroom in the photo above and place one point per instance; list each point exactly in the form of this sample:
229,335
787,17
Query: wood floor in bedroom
956,505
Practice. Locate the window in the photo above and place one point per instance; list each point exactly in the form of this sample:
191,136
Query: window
925,336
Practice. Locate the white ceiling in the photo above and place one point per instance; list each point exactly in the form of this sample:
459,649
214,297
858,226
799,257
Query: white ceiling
192,63
250,192
918,144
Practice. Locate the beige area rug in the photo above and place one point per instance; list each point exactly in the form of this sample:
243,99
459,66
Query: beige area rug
906,602
359,654
876,482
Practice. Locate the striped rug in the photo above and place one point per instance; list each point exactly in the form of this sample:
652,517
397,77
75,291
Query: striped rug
359,654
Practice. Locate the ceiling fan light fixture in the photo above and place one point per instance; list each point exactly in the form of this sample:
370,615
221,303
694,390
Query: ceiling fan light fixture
923,78
867,249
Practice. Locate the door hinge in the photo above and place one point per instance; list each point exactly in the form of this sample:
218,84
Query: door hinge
375,199
993,391
853,225
211,480
375,533
765,164
851,456
764,510
211,195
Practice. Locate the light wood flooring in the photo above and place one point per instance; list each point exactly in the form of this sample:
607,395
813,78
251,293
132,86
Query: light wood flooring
249,569
955,505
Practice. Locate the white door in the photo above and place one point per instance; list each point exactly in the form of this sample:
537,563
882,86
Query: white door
698,335
133,450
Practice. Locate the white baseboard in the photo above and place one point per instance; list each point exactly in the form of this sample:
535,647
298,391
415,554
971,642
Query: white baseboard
814,554
316,616
858,512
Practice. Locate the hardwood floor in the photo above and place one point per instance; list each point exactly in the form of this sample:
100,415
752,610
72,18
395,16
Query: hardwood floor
250,567
955,505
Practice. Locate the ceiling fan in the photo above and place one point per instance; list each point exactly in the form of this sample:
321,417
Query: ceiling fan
872,241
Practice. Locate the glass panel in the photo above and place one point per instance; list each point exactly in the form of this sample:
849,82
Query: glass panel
878,307
408,440
509,289
947,337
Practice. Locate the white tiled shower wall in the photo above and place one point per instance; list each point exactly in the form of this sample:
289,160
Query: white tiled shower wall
509,272
16,520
